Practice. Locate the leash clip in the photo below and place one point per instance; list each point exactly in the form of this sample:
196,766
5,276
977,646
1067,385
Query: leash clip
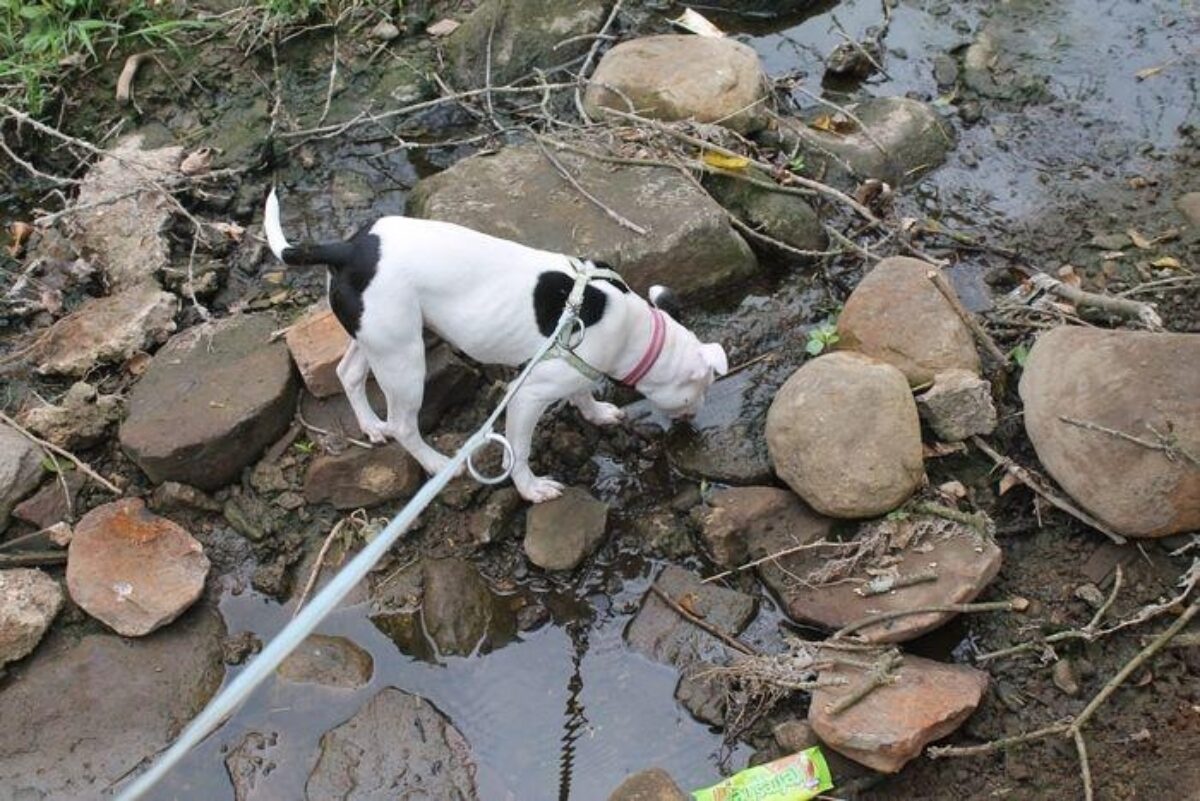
506,463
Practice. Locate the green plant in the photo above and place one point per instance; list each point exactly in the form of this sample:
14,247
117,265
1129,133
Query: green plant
1019,354
41,39
821,337
797,163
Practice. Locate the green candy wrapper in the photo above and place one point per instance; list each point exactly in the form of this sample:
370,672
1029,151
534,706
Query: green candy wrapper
798,777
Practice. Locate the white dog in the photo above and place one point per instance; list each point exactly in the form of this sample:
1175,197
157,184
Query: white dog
496,301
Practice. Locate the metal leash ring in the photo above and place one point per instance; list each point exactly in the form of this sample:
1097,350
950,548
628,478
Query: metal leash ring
572,336
506,462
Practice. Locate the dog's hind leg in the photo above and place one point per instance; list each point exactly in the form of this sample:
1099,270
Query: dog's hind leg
352,371
400,372
598,413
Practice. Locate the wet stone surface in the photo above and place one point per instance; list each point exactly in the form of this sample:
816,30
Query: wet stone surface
330,661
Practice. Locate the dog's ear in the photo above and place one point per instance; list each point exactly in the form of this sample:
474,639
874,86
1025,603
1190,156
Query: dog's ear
714,356
663,298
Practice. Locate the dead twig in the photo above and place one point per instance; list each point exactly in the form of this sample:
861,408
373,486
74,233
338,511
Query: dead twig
1122,307
982,335
881,585
601,37
565,173
128,73
33,558
778,554
1011,605
881,674
1167,444
319,563
79,463
728,639
1028,479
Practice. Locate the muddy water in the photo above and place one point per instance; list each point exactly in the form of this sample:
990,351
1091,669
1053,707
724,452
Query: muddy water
566,711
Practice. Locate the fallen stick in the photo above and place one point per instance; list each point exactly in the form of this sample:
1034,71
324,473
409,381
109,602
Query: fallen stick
1122,307
79,463
591,56
566,174
728,639
33,558
128,73
982,335
1028,479
318,564
882,673
1011,605
771,557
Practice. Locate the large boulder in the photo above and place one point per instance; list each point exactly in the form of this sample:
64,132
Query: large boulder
525,35
107,330
843,433
133,570
211,400
785,217
517,194
29,602
20,470
898,316
561,533
901,140
1089,393
683,77
893,723
397,745
82,714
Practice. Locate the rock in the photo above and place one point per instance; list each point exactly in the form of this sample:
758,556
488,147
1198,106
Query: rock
1189,206
898,316
123,219
317,343
893,723
487,523
171,496
81,421
785,217
561,533
80,715
654,784
457,606
843,433
29,602
53,503
958,405
683,77
330,661
794,736
362,478
133,570
517,194
107,330
914,140
20,470
249,763
1136,383
525,35
384,31
725,441
659,533
396,746
1065,677
209,403
741,521
963,560
661,634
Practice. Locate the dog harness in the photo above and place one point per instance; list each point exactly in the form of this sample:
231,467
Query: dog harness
572,336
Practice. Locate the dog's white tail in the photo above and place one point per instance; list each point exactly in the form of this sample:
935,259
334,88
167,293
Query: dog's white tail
275,238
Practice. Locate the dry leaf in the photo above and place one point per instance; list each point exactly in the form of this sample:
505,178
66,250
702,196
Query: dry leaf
1111,255
230,229
723,162
1007,482
1139,241
1141,182
1167,263
935,450
693,21
953,490
688,604
20,233
1068,276
834,123
1149,72
197,161
443,27
137,363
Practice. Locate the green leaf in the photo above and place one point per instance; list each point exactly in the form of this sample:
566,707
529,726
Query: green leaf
814,346
1020,354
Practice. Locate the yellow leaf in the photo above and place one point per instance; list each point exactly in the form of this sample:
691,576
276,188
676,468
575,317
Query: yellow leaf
1149,72
723,162
1168,262
835,124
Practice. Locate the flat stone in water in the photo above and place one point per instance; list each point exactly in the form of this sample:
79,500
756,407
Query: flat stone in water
211,400
29,602
330,661
397,745
893,723
654,784
561,533
133,570
80,715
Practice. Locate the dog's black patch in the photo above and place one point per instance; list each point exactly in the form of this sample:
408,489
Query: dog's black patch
550,297
351,264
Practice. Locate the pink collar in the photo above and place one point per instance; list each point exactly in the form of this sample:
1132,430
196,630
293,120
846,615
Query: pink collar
658,338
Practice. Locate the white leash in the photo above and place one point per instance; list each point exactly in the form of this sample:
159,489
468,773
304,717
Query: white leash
327,599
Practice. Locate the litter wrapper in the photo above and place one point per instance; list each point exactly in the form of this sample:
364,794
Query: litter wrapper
798,777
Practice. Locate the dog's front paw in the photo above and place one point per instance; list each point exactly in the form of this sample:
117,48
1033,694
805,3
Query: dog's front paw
539,490
605,414
375,432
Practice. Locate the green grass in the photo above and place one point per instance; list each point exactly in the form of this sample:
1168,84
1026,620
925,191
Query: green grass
42,40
